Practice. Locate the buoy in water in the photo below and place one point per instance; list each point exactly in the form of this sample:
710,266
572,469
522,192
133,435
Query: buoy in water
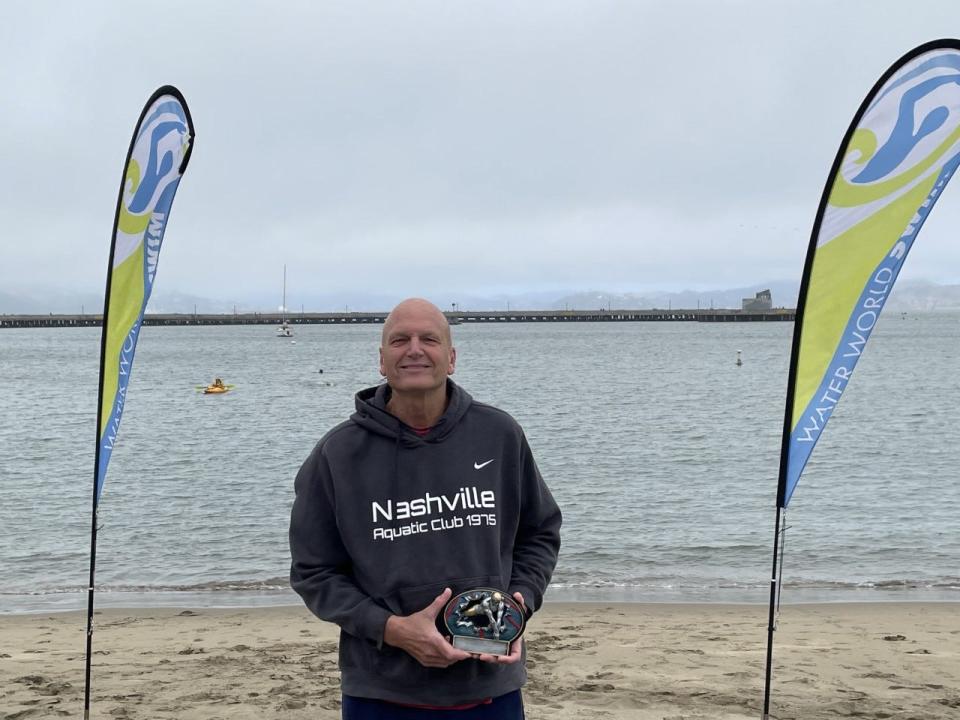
739,361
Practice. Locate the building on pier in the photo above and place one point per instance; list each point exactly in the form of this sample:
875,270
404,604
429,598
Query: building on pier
761,303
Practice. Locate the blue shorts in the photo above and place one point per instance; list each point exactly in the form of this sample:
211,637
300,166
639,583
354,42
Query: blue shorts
505,707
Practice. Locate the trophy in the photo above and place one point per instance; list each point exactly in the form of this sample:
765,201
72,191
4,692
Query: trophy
483,621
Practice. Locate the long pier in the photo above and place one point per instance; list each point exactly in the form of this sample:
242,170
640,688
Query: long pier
455,318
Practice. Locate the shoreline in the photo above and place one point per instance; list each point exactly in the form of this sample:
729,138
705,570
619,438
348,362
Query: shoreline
13,604
239,605
612,661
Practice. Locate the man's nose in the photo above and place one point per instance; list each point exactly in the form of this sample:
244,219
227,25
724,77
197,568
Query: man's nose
415,347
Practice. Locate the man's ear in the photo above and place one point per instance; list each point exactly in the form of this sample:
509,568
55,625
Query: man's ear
453,361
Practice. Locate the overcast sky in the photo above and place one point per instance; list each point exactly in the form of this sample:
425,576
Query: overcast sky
427,147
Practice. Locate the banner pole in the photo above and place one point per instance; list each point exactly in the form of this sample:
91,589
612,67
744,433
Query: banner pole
90,587
771,622
94,514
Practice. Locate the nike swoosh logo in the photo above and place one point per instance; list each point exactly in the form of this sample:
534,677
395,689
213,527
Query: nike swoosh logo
480,466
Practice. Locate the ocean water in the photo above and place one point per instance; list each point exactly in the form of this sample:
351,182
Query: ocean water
662,453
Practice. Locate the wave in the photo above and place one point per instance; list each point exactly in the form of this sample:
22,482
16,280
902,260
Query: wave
213,586
647,588
950,583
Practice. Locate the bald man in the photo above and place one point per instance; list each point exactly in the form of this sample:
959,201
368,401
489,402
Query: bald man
421,494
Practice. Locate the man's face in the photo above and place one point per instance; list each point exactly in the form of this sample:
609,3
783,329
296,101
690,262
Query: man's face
416,353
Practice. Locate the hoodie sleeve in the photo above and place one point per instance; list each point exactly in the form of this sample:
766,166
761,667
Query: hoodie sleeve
538,535
320,570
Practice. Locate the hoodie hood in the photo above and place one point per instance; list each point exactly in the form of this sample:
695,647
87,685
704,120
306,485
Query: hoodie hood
372,415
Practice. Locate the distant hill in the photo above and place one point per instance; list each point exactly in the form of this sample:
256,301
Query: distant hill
42,303
784,295
63,303
907,296
921,295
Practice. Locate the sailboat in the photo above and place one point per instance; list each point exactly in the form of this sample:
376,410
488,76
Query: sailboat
284,330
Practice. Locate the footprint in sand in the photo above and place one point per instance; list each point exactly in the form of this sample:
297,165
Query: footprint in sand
54,688
595,687
878,675
31,679
603,675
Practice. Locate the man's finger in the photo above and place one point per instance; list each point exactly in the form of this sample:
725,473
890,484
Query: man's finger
516,653
455,654
436,606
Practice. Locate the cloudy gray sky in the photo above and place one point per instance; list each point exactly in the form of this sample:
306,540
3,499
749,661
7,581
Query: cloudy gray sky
433,147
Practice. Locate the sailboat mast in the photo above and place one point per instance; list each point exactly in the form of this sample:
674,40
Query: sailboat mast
283,308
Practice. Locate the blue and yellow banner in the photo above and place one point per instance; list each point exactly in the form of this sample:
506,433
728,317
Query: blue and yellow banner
158,156
900,151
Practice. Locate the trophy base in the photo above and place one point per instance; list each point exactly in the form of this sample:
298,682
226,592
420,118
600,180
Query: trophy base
481,645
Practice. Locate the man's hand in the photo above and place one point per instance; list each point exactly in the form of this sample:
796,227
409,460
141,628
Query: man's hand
516,648
417,635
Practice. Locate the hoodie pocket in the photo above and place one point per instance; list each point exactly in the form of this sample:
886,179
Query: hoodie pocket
408,600
396,666
393,666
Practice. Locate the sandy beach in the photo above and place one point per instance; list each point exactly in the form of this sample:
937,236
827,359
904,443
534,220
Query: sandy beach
587,660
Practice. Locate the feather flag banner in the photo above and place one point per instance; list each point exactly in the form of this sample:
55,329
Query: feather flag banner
898,155
896,158
158,156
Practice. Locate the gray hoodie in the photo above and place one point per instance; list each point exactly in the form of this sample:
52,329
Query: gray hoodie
384,520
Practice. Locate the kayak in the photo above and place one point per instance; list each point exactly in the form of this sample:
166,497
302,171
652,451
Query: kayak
217,389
